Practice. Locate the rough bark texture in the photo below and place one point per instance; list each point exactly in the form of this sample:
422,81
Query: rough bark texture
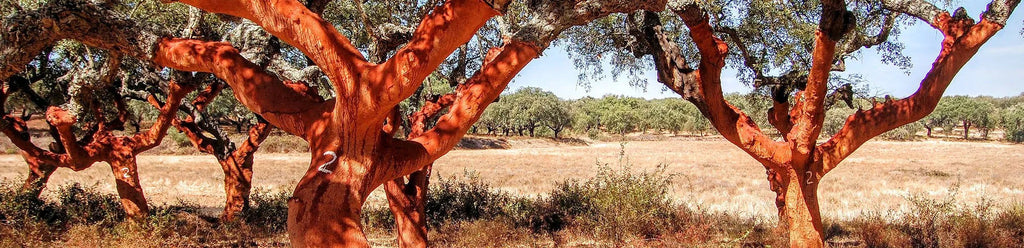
796,164
235,162
407,195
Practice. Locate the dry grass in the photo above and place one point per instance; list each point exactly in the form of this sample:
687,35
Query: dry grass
710,173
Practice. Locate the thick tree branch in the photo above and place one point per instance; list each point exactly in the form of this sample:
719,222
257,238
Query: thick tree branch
470,101
256,135
151,138
835,22
703,86
962,40
859,41
282,104
432,42
17,132
407,195
919,9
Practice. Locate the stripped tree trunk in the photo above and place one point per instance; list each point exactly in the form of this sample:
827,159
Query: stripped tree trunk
796,164
235,162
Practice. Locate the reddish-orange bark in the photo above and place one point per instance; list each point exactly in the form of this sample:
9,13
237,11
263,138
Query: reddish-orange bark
118,151
235,162
407,195
796,165
42,163
352,156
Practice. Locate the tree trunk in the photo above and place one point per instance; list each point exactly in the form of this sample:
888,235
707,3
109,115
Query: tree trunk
128,187
967,130
237,185
325,208
797,202
407,201
38,174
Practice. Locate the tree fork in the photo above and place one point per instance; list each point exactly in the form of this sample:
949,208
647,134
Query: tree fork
119,152
797,165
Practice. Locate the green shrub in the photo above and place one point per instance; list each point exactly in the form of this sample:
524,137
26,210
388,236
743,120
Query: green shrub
1013,123
267,210
88,206
179,138
19,208
450,200
616,203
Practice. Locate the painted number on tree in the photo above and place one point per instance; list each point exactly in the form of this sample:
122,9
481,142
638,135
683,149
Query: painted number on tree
323,167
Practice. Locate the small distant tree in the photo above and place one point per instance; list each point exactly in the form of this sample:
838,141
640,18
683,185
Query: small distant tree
934,120
621,114
1013,123
585,114
967,112
555,114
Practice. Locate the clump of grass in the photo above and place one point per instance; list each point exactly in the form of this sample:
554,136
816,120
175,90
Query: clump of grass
876,231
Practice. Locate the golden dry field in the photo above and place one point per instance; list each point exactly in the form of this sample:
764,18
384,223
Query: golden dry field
709,173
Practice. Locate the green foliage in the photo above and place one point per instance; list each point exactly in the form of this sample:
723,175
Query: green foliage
86,205
906,132
451,200
755,105
966,112
526,110
268,210
1013,123
617,203
619,114
835,119
179,138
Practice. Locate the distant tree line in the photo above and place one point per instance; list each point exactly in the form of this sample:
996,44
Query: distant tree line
533,112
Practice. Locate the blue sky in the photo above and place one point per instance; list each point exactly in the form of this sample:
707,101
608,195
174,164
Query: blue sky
997,69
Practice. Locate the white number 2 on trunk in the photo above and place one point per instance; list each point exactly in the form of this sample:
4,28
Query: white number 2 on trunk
323,167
